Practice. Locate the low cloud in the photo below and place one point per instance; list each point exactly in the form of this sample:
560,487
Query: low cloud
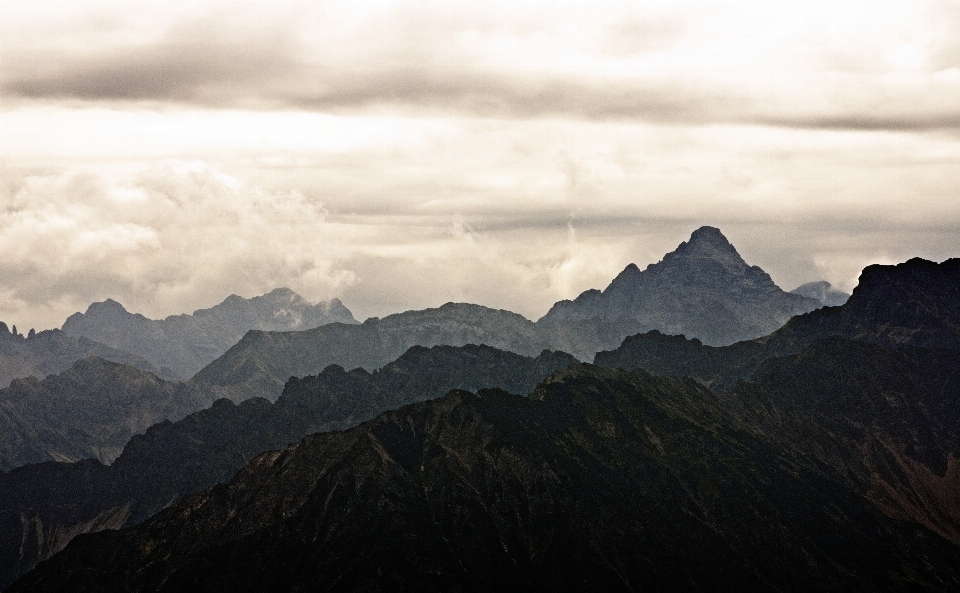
163,239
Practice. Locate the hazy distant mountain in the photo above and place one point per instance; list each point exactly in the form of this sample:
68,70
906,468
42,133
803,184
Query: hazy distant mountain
186,343
89,410
53,351
702,290
601,480
912,304
823,292
43,506
265,360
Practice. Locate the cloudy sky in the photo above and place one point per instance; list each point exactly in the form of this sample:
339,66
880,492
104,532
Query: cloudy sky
400,155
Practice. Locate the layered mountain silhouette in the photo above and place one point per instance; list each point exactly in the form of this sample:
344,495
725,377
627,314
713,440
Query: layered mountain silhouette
912,304
263,361
600,480
53,351
187,343
823,292
43,506
88,411
702,290
824,456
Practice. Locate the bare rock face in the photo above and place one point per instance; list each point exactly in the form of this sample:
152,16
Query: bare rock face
702,290
823,292
187,343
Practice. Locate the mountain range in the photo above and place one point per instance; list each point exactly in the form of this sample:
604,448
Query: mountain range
39,354
43,506
187,343
89,411
798,441
704,287
912,304
599,480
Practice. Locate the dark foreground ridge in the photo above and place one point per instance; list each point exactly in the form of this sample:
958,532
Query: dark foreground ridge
601,480
43,506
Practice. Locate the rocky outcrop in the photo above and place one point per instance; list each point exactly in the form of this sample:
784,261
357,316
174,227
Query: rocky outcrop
186,343
702,290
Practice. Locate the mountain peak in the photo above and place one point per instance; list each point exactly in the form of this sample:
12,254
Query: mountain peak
106,307
710,234
705,243
708,240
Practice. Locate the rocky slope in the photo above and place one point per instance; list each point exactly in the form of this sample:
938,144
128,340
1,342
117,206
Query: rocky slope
887,420
186,343
53,351
88,411
823,292
912,304
43,506
702,290
600,480
265,360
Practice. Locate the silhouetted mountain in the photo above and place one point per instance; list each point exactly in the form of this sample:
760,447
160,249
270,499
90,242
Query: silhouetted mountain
602,480
43,506
703,290
186,343
265,360
912,304
52,351
823,292
89,410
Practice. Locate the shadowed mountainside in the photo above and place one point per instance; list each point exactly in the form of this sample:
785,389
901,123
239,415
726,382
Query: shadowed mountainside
43,506
90,410
703,289
186,343
887,420
600,480
52,351
912,304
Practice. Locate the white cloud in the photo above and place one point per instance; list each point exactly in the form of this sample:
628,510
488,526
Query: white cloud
404,154
161,239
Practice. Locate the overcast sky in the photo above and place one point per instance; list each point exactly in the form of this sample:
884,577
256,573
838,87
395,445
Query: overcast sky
400,155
